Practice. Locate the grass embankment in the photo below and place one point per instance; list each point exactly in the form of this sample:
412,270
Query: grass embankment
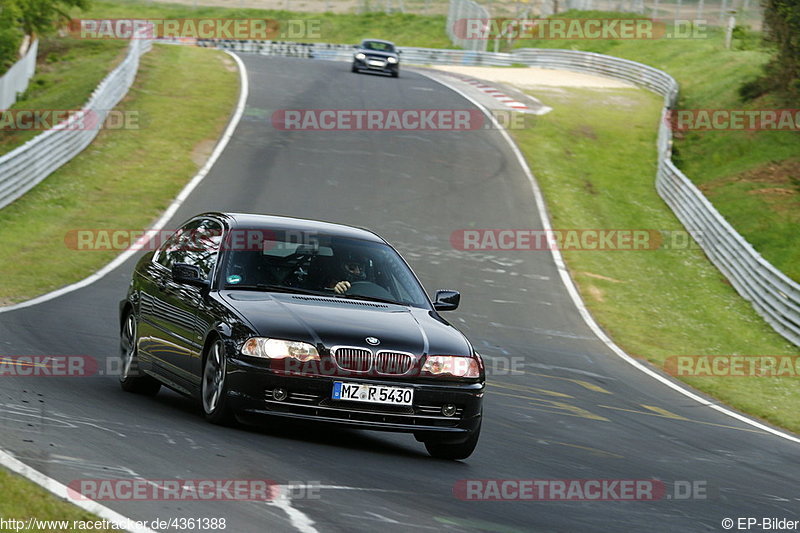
184,97
22,500
751,177
594,156
348,28
67,71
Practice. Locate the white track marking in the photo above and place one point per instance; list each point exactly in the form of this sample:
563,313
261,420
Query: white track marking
53,486
168,214
299,520
576,298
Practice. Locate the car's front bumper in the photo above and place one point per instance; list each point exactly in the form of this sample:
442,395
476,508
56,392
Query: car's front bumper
383,66
250,392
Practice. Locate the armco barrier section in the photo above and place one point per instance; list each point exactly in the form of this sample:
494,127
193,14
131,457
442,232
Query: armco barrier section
774,296
16,78
26,166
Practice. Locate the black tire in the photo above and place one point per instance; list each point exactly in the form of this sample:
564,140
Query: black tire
454,452
213,386
396,73
354,68
131,379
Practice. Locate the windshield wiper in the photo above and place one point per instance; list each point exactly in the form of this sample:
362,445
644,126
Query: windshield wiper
271,288
369,299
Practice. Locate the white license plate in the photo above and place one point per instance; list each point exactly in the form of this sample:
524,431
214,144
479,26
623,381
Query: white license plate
377,63
362,392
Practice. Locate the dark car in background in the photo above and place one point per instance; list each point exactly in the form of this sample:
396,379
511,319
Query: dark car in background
258,316
374,55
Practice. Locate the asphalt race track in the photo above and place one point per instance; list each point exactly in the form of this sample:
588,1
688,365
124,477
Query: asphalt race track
574,410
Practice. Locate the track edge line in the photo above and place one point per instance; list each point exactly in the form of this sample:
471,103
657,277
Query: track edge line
63,492
572,290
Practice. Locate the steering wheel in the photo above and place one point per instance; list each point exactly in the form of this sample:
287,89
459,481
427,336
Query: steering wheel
370,290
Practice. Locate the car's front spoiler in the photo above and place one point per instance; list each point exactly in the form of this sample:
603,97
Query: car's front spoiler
387,69
309,398
252,415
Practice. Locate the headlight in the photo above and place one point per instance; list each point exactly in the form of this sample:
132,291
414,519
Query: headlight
279,349
361,56
460,367
391,60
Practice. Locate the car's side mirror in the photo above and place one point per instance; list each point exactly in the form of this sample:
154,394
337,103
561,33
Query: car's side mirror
188,275
446,300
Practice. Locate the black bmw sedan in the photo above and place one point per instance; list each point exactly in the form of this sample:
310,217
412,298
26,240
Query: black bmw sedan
258,316
377,56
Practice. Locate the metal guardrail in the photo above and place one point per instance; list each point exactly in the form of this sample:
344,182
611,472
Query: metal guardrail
774,296
15,80
26,166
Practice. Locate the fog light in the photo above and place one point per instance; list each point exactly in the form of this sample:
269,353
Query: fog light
280,394
448,409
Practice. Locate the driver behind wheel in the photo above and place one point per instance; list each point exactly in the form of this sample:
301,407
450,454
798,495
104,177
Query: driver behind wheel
335,273
353,268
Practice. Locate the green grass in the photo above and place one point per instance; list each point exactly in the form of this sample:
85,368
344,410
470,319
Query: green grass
597,171
752,178
67,71
403,29
22,500
126,178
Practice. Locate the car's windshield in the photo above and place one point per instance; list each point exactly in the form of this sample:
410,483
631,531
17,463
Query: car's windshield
378,46
313,263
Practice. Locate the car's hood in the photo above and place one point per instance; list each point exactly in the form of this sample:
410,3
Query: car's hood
333,322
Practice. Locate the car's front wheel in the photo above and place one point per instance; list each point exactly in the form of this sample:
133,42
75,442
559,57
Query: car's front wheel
354,68
213,391
131,379
446,450
396,72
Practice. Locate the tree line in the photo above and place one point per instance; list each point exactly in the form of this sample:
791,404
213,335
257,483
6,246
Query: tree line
782,23
30,17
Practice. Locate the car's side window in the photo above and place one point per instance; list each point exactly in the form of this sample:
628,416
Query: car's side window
207,243
199,247
197,243
168,254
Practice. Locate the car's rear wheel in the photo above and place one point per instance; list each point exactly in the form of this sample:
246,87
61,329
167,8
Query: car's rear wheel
213,391
131,378
446,450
